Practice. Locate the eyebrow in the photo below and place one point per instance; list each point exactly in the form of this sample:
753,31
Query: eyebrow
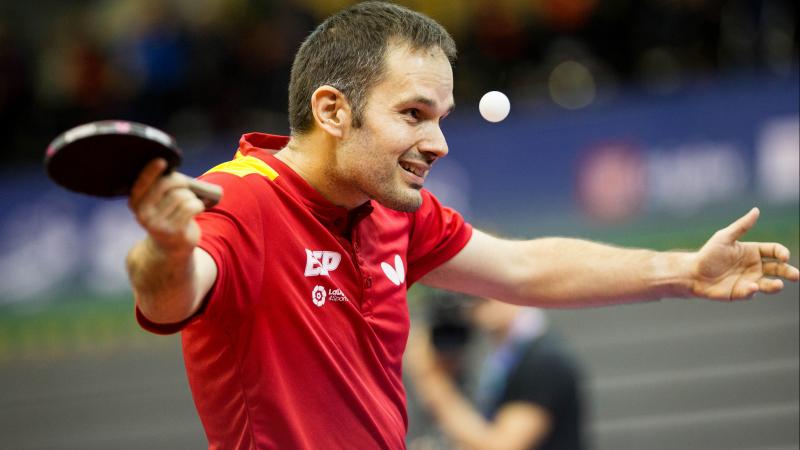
429,103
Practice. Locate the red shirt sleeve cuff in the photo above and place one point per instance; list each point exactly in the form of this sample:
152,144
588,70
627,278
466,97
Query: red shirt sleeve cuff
161,328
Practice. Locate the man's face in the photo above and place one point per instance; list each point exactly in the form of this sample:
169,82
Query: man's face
388,158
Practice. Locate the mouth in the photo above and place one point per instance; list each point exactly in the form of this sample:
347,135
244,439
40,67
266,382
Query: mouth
418,170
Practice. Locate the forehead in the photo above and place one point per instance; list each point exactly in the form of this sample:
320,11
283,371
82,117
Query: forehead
416,73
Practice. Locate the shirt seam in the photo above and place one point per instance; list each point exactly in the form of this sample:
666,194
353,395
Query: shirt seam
239,376
220,291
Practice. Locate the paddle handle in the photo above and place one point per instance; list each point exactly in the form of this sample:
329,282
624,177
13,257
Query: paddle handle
209,193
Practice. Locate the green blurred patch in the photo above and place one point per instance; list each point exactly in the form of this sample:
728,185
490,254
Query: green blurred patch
692,234
59,327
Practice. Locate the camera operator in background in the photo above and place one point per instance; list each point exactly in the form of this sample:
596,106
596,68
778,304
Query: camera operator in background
528,393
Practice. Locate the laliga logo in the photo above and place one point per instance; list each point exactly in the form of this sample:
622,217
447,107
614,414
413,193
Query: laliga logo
321,262
318,295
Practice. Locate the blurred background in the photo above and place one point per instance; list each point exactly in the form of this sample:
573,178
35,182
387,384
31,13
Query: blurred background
644,123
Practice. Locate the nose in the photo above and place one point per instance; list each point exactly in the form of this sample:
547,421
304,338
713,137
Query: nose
434,143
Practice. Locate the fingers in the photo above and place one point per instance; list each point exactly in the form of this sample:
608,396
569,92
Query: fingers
151,172
184,205
769,285
782,270
165,207
773,250
744,290
157,190
737,229
168,200
778,268
792,274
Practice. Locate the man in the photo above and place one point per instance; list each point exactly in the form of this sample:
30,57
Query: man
528,394
290,294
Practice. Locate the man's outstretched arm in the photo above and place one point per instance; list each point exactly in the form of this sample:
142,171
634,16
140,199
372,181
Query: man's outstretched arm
169,274
568,273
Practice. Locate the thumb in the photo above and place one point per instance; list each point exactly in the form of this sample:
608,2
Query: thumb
737,229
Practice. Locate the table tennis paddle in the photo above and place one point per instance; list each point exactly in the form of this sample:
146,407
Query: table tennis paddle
105,158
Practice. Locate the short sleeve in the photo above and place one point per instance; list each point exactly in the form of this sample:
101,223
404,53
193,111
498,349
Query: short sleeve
438,233
231,234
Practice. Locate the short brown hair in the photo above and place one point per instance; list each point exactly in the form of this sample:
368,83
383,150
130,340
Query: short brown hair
347,51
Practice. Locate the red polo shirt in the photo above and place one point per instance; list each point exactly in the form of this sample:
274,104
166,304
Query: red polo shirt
299,344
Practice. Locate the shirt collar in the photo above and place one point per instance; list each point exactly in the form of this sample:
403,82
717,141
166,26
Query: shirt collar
264,146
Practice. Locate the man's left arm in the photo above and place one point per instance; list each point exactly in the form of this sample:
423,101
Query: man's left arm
570,273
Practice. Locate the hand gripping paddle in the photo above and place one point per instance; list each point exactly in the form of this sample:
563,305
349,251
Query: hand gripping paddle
105,158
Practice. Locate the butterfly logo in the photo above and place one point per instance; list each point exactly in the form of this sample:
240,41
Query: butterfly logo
396,274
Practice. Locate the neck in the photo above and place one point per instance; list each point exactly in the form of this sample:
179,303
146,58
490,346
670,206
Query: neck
298,155
313,157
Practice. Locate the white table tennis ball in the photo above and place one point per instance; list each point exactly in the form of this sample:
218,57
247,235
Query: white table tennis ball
494,106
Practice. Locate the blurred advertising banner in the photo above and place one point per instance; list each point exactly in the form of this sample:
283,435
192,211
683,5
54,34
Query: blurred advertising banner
734,143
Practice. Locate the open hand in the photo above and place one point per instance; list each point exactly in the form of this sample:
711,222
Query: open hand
726,269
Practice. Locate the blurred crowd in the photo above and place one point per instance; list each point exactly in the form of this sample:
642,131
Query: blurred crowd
199,68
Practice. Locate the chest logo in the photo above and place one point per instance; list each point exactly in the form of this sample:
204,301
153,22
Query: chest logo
321,262
318,295
396,274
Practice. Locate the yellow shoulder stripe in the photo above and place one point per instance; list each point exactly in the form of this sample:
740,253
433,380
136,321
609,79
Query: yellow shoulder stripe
245,165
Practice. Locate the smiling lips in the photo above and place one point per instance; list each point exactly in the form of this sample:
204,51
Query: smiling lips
420,170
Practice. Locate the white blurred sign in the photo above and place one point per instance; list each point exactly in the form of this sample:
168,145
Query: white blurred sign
696,174
48,245
778,160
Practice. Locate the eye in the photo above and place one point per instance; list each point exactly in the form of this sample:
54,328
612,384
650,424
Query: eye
413,113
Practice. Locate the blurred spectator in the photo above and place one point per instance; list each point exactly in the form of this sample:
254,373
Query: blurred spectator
221,66
15,89
529,388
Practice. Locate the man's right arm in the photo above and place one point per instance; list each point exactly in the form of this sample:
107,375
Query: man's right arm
169,274
169,288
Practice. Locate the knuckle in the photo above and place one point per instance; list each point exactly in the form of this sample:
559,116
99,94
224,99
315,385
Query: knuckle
186,195
165,184
176,179
198,205
176,195
169,195
192,207
183,199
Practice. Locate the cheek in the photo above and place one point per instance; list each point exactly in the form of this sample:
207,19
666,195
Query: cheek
367,161
378,145
390,134
383,153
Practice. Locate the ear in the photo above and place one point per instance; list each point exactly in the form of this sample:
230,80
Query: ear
331,110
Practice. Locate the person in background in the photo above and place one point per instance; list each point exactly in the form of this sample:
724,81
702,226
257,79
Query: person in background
528,394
